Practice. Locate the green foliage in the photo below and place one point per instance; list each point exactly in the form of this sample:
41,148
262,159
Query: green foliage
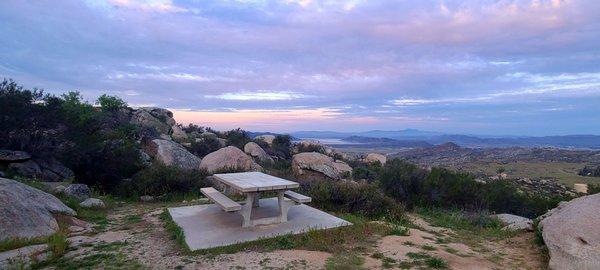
590,171
467,223
281,146
205,146
366,172
99,145
58,244
445,188
593,189
237,137
351,197
159,179
400,230
110,103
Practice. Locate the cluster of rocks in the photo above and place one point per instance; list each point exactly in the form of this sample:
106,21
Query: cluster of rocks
22,163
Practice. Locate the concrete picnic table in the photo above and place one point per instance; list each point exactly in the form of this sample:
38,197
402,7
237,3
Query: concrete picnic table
252,184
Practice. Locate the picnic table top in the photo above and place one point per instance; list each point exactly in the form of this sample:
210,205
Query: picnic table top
254,181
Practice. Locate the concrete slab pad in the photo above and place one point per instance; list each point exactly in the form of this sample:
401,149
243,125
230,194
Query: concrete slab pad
207,226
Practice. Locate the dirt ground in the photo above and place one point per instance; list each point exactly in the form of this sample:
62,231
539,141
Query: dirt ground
137,232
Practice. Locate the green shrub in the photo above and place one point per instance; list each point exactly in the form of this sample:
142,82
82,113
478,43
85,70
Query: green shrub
281,146
351,197
237,137
439,187
205,146
110,103
159,180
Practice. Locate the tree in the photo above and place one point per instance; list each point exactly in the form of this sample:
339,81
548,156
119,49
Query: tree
110,103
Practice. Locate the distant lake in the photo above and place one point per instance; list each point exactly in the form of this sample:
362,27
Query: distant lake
328,141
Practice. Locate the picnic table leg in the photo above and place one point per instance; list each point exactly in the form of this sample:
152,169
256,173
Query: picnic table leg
284,206
256,199
247,209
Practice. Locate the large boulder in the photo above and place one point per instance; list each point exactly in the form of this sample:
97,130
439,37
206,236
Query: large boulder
79,192
53,170
173,154
514,222
157,118
572,234
27,212
254,150
229,157
374,157
10,156
48,170
28,169
266,138
317,162
178,134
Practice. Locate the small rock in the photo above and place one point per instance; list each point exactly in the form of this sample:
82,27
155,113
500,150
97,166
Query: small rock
92,203
13,156
514,222
78,191
146,198
59,189
581,188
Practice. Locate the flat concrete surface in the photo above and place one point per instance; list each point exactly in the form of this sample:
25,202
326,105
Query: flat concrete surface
207,226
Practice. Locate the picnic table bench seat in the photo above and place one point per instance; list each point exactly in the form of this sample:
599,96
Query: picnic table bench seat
228,205
297,197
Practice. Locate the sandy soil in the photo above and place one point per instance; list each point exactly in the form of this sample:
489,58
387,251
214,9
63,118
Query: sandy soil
148,243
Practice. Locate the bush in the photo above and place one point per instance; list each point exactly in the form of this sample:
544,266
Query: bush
590,171
205,146
281,146
414,186
352,197
110,103
159,180
237,137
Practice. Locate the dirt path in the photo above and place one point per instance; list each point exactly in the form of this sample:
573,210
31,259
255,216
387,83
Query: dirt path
137,232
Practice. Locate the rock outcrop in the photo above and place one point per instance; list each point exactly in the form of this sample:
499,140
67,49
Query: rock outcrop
514,222
254,150
173,154
27,212
374,157
13,156
157,118
317,162
266,138
229,157
178,134
48,170
571,233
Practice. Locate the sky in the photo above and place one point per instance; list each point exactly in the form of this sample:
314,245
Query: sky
470,67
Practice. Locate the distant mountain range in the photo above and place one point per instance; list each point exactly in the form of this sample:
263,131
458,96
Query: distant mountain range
419,138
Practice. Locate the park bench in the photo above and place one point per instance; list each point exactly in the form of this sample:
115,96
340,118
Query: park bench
228,205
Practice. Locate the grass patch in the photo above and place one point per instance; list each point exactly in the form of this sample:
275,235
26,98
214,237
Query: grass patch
428,247
422,258
344,261
469,225
58,244
387,262
175,231
400,230
131,219
93,261
436,263
11,244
